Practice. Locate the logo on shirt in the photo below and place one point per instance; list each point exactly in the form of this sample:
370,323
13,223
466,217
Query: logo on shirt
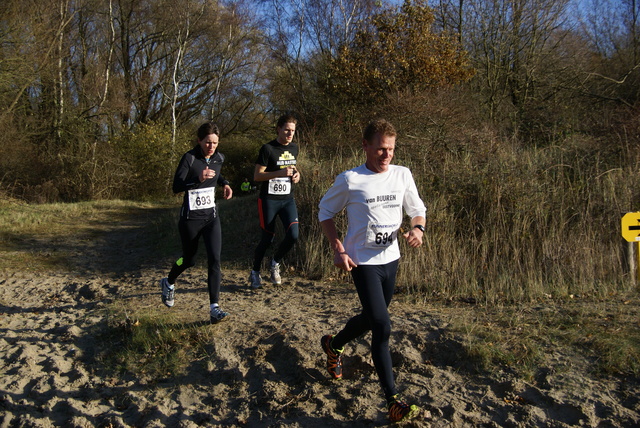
383,201
286,159
381,198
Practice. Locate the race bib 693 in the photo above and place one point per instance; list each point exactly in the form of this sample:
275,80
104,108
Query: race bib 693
200,199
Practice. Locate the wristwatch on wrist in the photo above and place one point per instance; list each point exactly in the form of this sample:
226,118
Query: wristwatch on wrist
419,227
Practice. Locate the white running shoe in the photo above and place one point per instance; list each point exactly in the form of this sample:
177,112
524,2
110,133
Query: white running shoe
218,315
255,280
275,273
168,292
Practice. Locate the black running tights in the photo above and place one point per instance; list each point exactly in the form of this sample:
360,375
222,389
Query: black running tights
190,233
268,209
375,285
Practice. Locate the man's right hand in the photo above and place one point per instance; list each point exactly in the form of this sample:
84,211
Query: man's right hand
343,261
289,171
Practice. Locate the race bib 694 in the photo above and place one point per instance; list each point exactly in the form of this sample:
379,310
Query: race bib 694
381,235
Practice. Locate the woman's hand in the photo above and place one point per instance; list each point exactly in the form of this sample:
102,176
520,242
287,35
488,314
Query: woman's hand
228,192
207,174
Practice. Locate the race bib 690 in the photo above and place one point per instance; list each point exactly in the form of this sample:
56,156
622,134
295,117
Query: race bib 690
280,186
200,199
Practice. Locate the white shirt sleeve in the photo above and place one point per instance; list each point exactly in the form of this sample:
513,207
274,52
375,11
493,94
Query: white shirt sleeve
413,205
335,199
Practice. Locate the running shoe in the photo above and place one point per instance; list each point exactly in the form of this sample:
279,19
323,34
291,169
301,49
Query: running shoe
168,292
399,410
275,273
255,280
218,315
334,357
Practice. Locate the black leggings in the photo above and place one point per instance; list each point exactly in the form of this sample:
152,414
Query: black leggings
268,209
375,285
190,233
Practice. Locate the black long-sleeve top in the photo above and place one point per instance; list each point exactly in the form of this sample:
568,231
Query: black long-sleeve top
187,178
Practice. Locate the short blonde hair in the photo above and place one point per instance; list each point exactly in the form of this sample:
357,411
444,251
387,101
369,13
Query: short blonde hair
379,126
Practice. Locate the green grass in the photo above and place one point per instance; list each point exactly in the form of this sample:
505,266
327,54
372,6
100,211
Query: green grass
154,345
520,337
505,222
32,236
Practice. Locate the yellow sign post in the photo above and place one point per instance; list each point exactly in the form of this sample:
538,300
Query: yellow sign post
631,227
631,233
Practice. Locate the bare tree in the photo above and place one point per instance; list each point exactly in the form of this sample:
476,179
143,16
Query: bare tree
611,29
38,39
512,43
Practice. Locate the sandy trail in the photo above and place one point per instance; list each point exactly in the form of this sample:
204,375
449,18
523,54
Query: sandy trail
266,367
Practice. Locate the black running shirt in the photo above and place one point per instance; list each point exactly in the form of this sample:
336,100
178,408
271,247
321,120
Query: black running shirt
275,156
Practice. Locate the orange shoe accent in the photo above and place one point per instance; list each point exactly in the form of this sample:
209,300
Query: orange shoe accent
399,410
334,359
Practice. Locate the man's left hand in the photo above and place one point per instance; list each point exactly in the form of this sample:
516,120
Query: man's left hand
414,237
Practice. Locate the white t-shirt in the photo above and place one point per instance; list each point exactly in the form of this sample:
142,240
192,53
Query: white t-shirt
374,203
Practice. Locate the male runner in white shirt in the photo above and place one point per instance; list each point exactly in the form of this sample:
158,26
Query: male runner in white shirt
374,195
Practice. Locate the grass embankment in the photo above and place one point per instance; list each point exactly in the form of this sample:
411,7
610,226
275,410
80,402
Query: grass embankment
518,336
504,223
29,233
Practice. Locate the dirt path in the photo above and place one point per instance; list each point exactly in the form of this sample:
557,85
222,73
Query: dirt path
266,367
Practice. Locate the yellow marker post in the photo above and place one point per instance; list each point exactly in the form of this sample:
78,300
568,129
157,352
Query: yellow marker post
630,225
